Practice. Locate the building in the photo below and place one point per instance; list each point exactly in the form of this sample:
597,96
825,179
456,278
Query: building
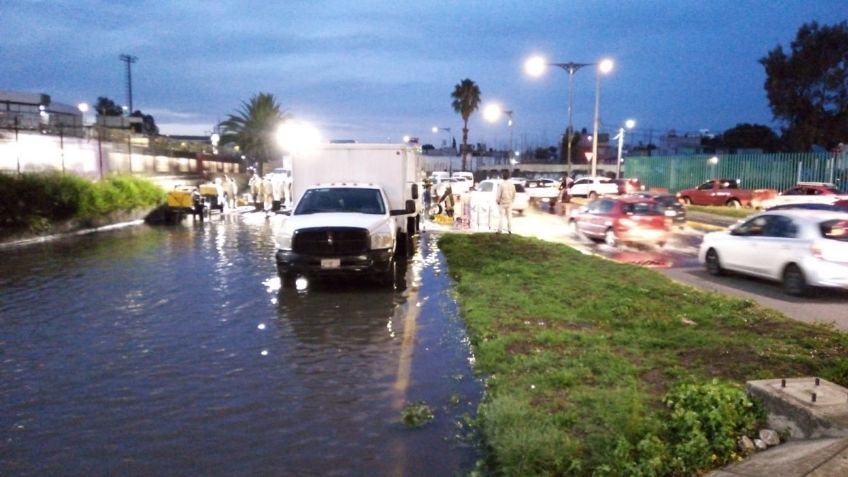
36,111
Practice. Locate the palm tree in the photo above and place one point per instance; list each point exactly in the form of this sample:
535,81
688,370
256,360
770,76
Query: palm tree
253,127
466,100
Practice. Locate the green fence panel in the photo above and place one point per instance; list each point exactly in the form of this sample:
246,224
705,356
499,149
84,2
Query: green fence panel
756,171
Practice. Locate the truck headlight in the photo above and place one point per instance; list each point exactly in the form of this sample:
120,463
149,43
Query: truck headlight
381,240
283,241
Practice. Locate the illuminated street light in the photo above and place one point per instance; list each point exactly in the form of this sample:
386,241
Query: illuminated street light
604,67
492,113
535,66
296,136
629,124
436,130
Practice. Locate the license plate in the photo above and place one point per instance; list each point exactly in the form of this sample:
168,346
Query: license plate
331,263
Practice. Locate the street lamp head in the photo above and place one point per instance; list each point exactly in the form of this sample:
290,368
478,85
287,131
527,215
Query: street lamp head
435,129
296,136
605,66
630,123
406,139
713,160
535,66
83,107
492,112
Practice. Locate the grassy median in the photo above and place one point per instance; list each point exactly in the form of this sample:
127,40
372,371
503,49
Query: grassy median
591,364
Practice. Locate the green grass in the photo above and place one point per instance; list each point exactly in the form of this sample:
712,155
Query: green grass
722,210
580,353
37,200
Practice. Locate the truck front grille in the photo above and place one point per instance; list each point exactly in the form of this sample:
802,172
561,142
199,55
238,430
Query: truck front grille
330,241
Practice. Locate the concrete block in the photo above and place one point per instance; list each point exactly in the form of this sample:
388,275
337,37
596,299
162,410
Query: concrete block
807,407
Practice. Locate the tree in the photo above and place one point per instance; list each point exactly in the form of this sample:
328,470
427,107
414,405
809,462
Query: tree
466,100
253,127
808,88
107,107
148,124
750,136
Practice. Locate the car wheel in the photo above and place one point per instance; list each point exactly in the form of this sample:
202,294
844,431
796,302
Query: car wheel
734,203
573,229
610,239
713,263
593,195
794,282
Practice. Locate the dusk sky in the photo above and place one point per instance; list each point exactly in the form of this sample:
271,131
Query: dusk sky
375,71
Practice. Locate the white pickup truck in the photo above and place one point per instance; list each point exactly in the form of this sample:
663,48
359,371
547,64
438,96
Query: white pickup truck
355,212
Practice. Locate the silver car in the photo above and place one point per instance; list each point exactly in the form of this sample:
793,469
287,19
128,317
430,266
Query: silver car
800,248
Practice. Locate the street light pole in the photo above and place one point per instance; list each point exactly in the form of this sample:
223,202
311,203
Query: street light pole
509,123
604,66
629,125
535,66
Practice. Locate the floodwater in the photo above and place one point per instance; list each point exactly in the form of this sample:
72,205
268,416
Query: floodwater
173,351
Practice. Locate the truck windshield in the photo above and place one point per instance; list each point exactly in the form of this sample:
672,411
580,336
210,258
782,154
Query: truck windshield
341,199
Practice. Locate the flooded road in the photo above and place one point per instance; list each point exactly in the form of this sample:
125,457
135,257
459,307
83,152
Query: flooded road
173,351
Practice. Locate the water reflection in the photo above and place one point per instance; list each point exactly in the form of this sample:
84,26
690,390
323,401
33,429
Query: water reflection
157,351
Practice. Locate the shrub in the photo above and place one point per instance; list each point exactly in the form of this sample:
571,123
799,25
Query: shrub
39,199
705,423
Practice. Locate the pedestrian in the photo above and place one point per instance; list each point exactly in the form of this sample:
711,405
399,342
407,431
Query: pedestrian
427,198
505,197
565,195
255,184
231,189
448,199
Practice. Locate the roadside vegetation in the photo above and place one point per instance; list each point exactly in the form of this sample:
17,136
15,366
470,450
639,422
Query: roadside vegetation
722,210
35,202
600,368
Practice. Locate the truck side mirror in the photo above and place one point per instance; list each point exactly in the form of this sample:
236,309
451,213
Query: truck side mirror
409,209
414,191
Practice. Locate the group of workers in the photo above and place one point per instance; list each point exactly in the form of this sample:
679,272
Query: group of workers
444,196
271,192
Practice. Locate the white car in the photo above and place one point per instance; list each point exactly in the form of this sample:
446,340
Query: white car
592,187
800,248
483,197
460,185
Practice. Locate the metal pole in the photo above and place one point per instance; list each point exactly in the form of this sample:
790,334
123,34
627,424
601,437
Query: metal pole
620,146
62,147
129,60
596,124
570,125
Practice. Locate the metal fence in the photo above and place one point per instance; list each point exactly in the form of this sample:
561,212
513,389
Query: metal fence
756,171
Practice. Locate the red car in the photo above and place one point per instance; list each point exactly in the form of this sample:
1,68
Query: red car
622,220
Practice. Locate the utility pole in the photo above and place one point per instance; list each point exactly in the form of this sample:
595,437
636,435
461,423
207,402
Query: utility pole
129,60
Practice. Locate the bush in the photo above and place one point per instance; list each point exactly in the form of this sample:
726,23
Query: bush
36,200
706,422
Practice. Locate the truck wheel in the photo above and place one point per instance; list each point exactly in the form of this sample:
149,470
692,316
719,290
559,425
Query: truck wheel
734,203
286,278
388,278
402,245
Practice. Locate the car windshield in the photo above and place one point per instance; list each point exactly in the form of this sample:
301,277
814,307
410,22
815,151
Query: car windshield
835,230
641,208
341,199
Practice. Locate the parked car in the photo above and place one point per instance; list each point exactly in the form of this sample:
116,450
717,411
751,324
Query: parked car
727,192
592,187
629,219
483,196
670,206
800,248
542,190
836,206
628,186
804,192
460,185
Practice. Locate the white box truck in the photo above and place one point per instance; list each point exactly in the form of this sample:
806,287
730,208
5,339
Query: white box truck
355,211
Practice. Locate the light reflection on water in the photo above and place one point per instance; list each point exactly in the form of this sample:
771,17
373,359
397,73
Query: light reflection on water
173,351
